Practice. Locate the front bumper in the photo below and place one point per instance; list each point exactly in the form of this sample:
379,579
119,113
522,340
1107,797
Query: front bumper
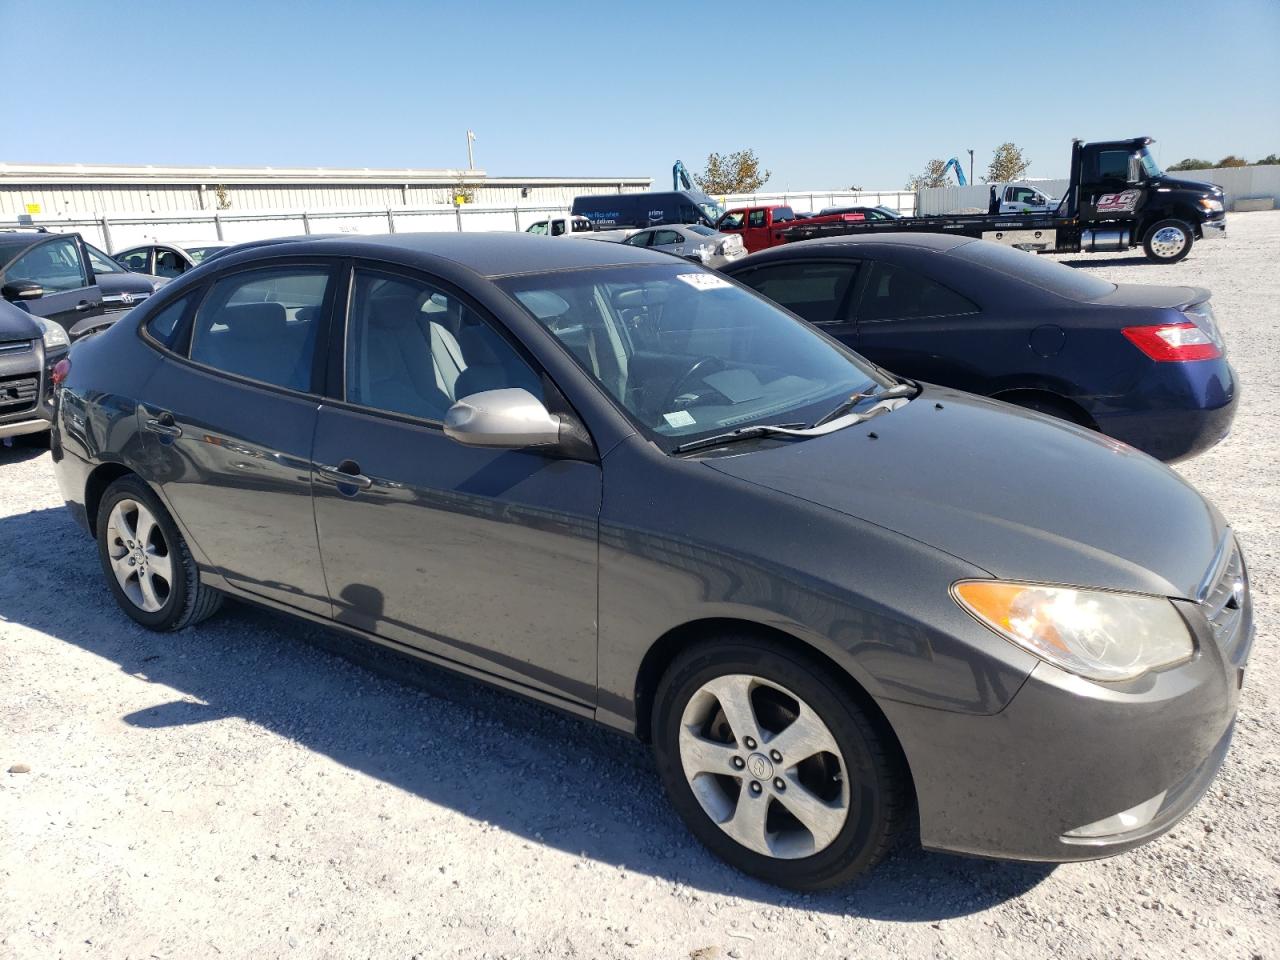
1066,753
26,395
1213,229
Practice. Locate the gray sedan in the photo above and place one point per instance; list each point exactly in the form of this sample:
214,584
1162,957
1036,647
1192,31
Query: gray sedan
693,242
635,490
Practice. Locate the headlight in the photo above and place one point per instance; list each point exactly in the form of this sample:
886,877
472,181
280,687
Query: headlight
1211,205
1092,633
55,338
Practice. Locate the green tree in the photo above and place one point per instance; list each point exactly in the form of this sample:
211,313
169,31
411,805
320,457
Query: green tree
1190,163
1270,158
1007,163
1231,160
737,172
935,175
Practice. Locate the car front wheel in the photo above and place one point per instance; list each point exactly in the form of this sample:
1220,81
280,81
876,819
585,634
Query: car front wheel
774,765
146,561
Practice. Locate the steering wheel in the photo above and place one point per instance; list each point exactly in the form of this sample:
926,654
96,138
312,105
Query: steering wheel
701,367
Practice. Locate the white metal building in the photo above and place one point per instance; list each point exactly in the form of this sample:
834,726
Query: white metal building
78,191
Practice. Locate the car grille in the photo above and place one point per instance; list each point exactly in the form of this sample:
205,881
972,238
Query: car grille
15,348
18,394
1226,599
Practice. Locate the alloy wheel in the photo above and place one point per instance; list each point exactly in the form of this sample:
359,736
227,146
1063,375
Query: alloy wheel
140,557
764,766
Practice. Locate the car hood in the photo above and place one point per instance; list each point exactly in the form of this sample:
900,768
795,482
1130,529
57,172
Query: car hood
16,324
1018,494
1152,295
1196,186
114,284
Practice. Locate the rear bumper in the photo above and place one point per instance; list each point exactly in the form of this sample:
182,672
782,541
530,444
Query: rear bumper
1067,753
1176,411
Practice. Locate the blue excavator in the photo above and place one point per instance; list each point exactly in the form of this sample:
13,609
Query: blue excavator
954,164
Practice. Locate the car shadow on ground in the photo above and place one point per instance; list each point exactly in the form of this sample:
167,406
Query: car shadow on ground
1094,261
19,449
519,765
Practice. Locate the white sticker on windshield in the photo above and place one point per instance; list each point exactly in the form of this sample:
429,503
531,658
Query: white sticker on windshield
704,281
681,418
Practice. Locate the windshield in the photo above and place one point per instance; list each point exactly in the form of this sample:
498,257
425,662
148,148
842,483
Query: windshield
1034,269
1149,165
101,262
712,209
688,354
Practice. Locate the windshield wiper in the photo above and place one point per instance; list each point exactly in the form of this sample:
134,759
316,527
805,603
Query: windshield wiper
847,404
744,433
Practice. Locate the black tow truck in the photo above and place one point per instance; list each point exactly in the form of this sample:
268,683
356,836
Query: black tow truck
1118,199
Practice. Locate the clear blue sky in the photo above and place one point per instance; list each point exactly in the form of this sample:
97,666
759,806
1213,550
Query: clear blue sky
828,94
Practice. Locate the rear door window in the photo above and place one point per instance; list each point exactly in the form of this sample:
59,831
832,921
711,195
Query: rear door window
815,291
897,293
164,325
662,238
264,324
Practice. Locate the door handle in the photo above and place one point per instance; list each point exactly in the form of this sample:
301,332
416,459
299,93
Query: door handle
164,426
345,474
82,306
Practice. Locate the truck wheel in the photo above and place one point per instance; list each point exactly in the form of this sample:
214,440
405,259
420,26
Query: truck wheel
1168,241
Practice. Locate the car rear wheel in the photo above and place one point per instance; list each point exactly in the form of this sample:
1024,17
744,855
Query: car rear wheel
773,764
1168,241
147,563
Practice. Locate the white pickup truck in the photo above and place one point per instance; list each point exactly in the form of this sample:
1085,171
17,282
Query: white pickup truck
1020,198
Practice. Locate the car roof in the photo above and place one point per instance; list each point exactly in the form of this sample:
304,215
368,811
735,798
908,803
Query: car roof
487,254
941,242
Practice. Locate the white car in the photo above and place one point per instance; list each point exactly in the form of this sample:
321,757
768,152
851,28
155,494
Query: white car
692,241
167,259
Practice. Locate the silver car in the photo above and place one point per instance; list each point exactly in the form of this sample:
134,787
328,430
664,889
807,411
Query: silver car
693,242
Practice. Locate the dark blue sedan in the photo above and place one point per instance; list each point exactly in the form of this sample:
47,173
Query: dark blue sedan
1143,364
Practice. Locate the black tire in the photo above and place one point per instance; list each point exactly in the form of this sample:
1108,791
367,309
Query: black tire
1160,252
188,601
878,784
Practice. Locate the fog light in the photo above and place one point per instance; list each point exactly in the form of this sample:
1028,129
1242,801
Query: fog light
1118,823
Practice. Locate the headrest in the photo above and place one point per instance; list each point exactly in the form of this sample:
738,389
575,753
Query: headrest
254,321
477,344
394,310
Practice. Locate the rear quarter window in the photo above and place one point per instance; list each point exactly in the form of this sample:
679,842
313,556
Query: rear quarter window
165,325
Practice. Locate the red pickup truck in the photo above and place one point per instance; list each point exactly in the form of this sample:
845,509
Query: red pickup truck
763,227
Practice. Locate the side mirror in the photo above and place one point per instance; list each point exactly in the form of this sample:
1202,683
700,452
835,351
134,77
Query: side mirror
512,418
21,290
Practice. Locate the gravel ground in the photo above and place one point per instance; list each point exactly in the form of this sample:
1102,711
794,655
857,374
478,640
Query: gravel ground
259,788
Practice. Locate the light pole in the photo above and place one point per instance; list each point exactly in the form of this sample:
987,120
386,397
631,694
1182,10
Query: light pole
471,160
971,166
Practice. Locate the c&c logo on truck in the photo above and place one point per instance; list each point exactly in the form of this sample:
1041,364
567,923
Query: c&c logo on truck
1118,202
